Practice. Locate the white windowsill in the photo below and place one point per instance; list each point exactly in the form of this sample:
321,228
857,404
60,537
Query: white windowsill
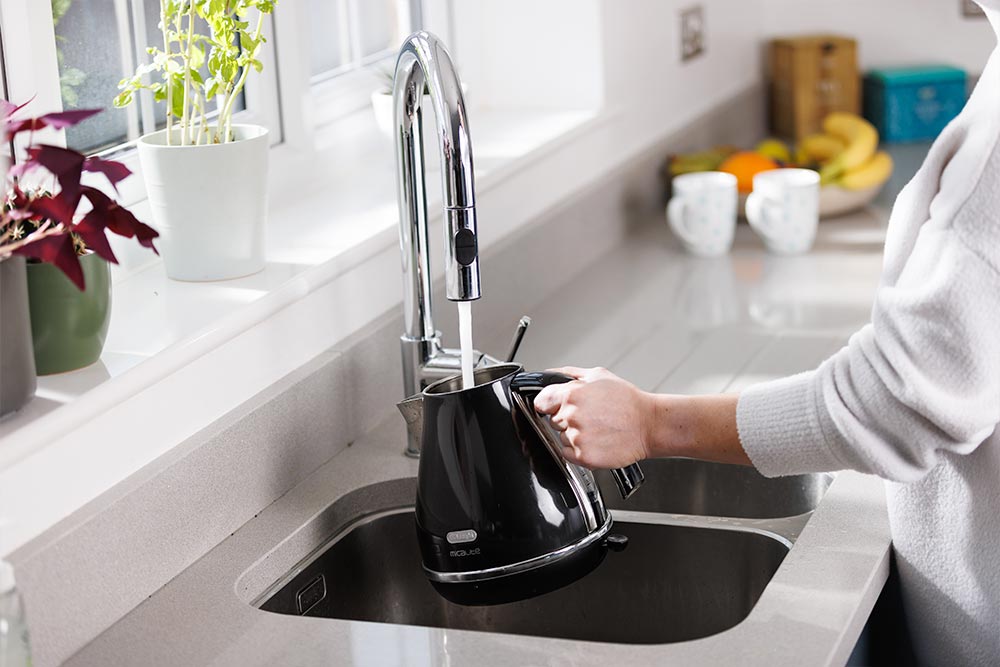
329,211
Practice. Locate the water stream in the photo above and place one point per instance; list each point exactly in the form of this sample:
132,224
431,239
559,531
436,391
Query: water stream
465,338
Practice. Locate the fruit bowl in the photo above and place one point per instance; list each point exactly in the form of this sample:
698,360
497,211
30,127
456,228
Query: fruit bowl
845,154
835,200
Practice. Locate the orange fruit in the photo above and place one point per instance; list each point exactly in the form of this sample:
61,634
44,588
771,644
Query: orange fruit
744,166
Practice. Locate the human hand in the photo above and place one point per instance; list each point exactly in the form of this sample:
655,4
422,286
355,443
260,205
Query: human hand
603,420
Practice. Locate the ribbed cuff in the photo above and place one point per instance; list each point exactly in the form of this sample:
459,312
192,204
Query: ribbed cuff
780,429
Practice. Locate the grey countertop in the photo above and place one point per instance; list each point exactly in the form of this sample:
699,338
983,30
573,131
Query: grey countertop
667,322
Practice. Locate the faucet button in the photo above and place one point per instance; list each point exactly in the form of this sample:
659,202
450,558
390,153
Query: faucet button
466,247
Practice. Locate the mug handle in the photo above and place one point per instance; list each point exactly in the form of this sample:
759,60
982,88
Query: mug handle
758,209
677,219
629,478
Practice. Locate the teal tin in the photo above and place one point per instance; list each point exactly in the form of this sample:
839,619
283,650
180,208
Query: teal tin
910,104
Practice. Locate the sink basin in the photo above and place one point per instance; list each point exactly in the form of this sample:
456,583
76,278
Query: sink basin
673,583
688,486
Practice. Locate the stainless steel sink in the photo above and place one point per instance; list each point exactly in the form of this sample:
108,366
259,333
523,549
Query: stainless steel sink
699,488
673,583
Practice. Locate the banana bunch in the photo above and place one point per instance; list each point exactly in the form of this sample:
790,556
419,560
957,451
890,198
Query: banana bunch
847,153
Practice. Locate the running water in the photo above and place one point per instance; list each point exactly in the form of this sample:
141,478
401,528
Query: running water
465,338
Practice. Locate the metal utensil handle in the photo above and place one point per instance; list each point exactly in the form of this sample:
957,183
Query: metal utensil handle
522,326
629,478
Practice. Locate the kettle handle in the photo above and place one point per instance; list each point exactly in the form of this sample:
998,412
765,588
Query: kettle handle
629,478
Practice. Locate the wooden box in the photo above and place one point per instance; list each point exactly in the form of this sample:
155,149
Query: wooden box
810,77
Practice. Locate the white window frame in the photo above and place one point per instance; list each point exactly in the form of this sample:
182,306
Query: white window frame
338,93
32,70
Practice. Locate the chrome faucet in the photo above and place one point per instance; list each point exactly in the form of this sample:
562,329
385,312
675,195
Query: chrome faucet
423,60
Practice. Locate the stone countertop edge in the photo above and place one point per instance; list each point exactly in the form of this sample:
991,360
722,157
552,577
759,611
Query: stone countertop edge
811,612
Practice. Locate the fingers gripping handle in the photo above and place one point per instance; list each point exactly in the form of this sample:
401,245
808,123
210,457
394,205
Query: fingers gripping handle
629,478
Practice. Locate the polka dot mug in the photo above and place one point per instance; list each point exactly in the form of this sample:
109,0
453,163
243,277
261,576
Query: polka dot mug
702,212
784,209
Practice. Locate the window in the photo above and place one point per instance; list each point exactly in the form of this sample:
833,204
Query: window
352,48
74,53
347,35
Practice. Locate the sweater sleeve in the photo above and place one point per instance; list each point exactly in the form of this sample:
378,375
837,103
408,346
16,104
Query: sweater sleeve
922,379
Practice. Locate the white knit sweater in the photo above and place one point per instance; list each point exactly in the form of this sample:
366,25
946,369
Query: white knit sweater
915,396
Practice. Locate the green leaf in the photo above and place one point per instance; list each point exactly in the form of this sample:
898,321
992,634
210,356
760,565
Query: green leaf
59,9
176,102
247,42
71,76
197,58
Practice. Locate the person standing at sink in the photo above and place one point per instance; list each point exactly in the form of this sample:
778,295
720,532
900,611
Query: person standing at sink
914,397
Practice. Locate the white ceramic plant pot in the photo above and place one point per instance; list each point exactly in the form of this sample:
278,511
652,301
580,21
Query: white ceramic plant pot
382,106
209,203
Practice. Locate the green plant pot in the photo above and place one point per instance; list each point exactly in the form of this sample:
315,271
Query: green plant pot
17,365
68,327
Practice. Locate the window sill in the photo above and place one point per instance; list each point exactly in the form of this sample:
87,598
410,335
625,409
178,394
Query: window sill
330,211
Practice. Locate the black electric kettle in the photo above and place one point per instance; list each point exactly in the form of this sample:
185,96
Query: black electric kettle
501,515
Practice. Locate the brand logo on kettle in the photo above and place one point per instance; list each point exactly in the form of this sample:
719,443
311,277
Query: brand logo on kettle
461,536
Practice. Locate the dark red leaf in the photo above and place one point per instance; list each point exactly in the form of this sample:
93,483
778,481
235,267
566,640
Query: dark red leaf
58,208
115,172
8,109
107,213
58,251
17,198
65,164
16,127
64,119
125,221
58,120
91,230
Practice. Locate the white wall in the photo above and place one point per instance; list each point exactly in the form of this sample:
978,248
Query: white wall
644,74
530,55
889,32
624,54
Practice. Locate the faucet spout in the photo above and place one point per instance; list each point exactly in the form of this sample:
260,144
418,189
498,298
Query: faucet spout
425,73
424,62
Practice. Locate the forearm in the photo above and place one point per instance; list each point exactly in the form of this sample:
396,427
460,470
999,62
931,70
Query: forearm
700,427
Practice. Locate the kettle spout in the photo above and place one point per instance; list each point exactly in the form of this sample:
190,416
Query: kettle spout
412,409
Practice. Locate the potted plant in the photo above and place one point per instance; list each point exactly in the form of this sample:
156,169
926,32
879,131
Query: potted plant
205,176
68,325
50,226
382,102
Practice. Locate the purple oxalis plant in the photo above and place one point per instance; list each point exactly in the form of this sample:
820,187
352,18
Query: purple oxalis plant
42,225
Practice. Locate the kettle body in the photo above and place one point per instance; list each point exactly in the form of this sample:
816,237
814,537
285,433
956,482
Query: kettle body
500,514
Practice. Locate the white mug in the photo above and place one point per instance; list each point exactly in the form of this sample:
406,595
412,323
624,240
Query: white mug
702,212
784,209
